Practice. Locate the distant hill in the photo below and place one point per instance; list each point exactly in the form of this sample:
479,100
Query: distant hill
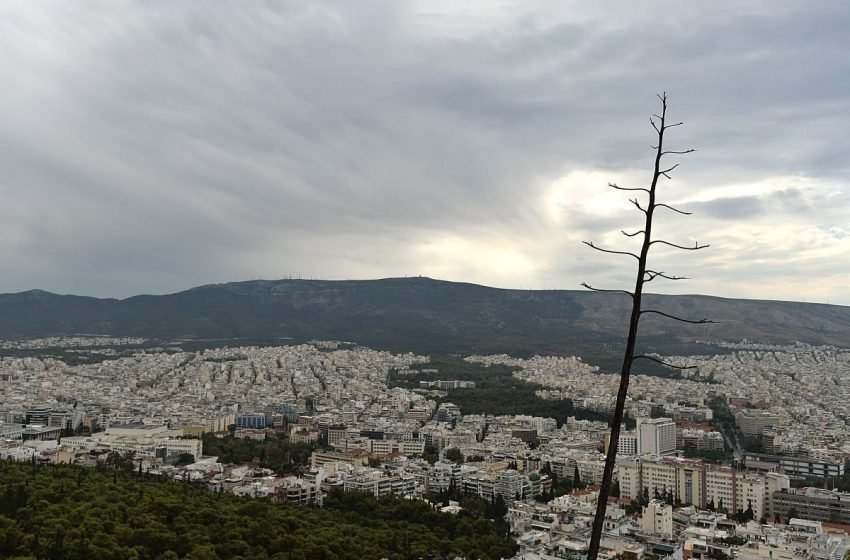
421,314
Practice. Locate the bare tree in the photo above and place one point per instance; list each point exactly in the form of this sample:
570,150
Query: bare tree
644,276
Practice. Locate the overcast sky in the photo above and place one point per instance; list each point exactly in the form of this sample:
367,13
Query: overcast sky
148,147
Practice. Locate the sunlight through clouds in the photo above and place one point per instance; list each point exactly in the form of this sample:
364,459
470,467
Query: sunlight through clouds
155,146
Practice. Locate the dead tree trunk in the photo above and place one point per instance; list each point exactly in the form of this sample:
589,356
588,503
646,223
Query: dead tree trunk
644,275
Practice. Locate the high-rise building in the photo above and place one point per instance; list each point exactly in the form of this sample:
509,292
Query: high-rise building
628,443
655,436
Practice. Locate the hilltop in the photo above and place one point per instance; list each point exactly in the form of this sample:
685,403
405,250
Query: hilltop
420,314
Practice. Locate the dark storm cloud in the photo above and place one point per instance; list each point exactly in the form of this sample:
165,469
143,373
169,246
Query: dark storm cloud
152,146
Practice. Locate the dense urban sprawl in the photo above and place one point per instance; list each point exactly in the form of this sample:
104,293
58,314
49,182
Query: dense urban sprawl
735,457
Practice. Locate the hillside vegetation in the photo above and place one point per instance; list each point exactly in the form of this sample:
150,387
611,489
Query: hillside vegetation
423,315
53,513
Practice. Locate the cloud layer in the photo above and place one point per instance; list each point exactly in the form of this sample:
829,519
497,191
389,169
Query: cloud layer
153,146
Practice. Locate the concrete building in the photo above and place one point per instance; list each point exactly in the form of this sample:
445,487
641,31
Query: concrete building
40,433
293,490
527,435
698,483
655,436
798,466
11,431
66,419
628,443
774,482
255,420
379,483
814,504
136,430
753,422
657,518
699,440
39,414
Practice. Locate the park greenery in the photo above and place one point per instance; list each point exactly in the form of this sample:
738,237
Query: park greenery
496,391
277,453
67,512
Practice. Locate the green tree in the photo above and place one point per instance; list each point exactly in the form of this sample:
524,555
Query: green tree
454,455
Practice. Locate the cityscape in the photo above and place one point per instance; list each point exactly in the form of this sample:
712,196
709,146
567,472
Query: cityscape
424,280
745,456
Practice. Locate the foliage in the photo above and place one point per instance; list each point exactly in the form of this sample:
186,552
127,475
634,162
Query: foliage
431,454
184,459
752,444
560,485
74,513
276,453
454,455
840,483
496,391
715,456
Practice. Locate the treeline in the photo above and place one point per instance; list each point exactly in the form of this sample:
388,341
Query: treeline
75,513
496,391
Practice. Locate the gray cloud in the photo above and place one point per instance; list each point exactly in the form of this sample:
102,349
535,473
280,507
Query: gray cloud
149,147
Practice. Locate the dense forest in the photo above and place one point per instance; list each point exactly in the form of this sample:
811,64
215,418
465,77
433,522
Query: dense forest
75,513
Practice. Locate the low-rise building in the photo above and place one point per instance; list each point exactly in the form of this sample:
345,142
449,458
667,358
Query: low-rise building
814,504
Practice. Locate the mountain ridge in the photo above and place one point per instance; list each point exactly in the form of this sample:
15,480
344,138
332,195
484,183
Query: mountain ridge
420,314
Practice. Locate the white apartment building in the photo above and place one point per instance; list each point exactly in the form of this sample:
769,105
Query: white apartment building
753,422
383,447
590,470
628,443
698,483
657,518
655,436
378,483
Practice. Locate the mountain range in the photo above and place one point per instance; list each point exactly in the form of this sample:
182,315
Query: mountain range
423,314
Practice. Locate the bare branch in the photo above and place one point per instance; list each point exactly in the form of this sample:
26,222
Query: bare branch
592,246
662,362
637,204
696,246
661,205
653,274
660,124
619,188
700,322
589,287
